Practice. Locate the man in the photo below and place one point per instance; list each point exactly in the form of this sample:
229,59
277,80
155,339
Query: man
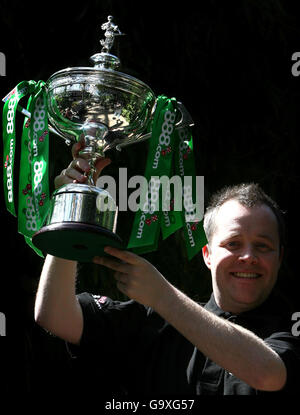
161,341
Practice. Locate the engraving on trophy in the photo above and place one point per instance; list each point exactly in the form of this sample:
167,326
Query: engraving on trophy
111,30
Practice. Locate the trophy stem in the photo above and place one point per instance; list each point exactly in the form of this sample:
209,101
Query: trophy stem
90,174
94,143
91,158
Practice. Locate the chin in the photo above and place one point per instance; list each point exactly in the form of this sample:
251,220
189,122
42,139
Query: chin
249,302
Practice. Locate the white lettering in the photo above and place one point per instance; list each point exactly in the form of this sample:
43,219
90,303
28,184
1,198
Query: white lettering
127,405
141,226
147,197
133,205
296,326
190,234
2,324
296,66
156,157
9,183
166,192
166,218
123,189
2,64
111,185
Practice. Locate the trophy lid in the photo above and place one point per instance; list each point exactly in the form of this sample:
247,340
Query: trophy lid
104,59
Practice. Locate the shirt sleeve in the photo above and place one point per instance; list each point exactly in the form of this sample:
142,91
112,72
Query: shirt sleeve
287,347
108,325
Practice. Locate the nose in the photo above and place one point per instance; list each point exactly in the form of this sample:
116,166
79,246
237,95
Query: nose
248,255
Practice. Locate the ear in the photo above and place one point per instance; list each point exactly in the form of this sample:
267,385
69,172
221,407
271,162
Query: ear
206,256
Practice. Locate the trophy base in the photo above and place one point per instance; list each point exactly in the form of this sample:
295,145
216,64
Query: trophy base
75,241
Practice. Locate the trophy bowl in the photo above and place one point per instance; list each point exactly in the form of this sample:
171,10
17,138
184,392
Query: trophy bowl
117,105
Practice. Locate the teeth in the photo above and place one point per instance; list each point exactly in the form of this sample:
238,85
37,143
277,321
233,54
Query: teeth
245,275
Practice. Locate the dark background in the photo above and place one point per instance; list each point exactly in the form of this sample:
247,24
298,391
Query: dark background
229,63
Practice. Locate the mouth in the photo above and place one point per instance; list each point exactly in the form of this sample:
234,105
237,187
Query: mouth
246,275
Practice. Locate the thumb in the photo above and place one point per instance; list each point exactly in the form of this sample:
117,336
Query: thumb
100,164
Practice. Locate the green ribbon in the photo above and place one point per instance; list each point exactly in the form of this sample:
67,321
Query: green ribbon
170,151
9,141
192,215
33,199
146,225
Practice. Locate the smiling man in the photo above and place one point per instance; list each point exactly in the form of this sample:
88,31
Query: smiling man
245,232
161,341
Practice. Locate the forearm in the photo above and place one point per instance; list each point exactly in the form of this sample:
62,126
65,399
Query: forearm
56,306
229,345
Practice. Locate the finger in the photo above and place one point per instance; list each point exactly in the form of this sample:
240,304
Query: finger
102,162
99,166
75,176
68,176
77,170
77,147
61,180
112,264
80,164
72,174
126,256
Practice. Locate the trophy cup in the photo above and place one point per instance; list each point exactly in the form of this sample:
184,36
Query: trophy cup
107,109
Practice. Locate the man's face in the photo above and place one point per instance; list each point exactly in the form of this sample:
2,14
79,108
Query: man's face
244,256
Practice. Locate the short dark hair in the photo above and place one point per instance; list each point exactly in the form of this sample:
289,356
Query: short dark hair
249,195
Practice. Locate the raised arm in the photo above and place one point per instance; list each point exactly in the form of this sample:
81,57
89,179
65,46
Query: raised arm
56,307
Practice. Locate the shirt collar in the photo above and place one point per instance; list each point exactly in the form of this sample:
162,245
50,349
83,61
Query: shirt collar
272,304
212,306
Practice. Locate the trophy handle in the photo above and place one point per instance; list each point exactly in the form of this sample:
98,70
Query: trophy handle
50,127
56,132
185,121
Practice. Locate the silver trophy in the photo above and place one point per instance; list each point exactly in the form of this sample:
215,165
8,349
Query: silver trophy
107,109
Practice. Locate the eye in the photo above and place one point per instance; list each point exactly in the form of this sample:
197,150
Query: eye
260,245
233,244
263,247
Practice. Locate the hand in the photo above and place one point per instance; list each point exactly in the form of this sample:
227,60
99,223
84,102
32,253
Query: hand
74,173
136,277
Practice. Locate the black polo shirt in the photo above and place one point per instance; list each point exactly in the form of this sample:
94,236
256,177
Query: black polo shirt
128,348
